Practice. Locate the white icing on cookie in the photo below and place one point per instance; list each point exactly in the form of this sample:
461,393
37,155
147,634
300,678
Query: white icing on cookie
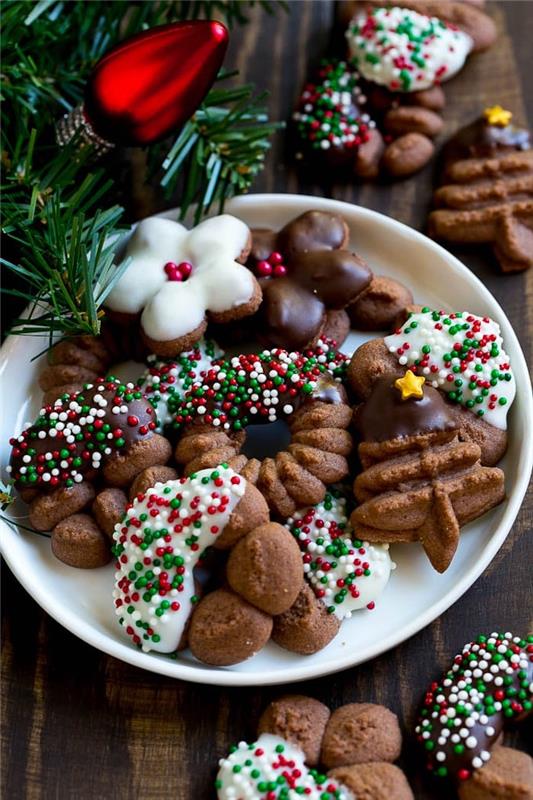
404,50
174,308
345,573
249,767
462,355
157,546
165,382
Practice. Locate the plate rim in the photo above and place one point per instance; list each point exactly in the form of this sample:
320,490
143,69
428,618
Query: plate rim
220,676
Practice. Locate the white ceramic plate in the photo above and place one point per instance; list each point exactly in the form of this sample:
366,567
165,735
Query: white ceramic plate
81,599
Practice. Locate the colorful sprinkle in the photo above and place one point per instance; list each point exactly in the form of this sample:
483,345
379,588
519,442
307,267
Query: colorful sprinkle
404,50
165,382
344,572
463,714
254,388
329,113
462,355
77,433
161,539
273,769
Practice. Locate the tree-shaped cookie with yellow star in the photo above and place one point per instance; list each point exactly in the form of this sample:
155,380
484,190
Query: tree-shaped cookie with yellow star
487,191
419,482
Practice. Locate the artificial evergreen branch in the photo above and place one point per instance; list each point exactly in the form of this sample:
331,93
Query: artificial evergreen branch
59,241
220,150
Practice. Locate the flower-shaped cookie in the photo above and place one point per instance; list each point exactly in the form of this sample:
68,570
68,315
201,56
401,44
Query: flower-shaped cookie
177,277
305,273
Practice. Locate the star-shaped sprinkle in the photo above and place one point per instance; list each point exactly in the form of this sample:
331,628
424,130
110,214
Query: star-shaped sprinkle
496,115
410,385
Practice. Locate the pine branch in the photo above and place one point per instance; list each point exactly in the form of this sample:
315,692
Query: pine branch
220,150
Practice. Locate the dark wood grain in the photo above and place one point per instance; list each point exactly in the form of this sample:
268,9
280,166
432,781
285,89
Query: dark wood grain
79,724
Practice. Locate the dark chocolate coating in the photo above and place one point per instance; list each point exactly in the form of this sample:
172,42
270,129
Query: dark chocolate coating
321,276
481,140
385,416
494,689
138,409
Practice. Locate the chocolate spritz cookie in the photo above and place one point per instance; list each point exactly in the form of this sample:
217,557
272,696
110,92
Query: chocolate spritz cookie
303,388
304,750
311,280
487,191
106,431
460,354
177,279
488,686
419,482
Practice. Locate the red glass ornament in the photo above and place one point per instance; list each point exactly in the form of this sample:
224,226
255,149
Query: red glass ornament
149,85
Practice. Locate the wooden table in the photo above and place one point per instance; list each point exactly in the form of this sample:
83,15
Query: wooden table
79,724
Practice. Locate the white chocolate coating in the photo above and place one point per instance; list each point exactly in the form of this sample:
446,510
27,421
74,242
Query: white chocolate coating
172,309
404,50
153,530
235,780
486,363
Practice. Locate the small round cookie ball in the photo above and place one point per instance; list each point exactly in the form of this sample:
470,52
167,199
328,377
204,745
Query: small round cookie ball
361,732
379,304
297,719
46,510
250,512
120,469
306,627
108,509
266,568
79,542
225,629
377,781
508,774
149,477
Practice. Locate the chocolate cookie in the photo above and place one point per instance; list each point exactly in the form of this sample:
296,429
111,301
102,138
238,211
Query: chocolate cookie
298,719
361,732
79,542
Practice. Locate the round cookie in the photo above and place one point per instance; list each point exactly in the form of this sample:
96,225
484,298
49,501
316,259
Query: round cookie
488,685
265,567
79,542
297,719
508,774
46,510
361,732
303,388
108,509
404,50
376,781
345,573
226,630
306,627
177,278
150,477
376,308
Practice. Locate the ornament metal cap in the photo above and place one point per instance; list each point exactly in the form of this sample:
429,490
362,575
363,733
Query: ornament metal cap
75,123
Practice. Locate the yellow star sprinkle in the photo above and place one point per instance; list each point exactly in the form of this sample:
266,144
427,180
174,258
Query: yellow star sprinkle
410,385
496,115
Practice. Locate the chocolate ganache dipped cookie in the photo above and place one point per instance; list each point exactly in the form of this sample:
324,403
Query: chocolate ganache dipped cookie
488,686
306,273
487,191
313,285
419,483
458,353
